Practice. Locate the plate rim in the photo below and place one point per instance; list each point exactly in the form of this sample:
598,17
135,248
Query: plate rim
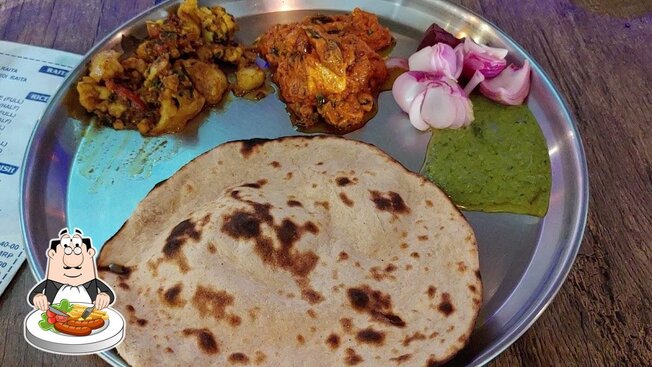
556,277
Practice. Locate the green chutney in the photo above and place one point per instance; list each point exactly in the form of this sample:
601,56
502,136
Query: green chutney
499,163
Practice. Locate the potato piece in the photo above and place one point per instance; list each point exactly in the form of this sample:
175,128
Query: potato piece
208,79
105,65
248,78
173,118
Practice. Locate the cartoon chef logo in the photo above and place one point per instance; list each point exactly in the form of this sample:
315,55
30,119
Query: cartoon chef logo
72,313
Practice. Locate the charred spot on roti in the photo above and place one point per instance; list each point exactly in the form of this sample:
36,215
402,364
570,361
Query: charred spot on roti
172,296
288,176
351,358
404,245
214,303
342,256
238,358
431,291
450,328
429,203
275,164
347,324
311,313
345,181
294,203
253,185
259,357
288,233
433,335
346,200
370,336
445,306
379,274
312,296
211,247
301,340
423,238
181,233
253,313
410,338
415,255
242,224
431,362
472,288
130,308
141,322
402,358
375,303
333,341
389,202
477,275
323,204
250,146
389,318
311,227
390,268
461,266
408,267
205,340
169,350
123,285
235,320
358,298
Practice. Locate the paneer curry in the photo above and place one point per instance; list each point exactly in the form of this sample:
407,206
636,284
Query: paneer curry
171,75
328,67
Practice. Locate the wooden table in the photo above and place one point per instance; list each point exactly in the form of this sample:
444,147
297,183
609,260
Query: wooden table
598,53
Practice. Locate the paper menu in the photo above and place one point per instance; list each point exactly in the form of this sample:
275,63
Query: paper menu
29,77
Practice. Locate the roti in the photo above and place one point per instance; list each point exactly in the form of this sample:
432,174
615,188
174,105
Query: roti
299,251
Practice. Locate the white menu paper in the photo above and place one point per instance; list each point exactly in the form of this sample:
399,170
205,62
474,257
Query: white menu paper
29,77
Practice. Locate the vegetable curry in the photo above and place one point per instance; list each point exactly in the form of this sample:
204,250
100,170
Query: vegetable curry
327,67
171,75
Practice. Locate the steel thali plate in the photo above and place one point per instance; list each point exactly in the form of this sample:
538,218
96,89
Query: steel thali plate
93,178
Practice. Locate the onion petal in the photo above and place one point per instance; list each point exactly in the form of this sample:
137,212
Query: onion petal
415,113
475,80
407,86
490,61
510,87
439,59
397,62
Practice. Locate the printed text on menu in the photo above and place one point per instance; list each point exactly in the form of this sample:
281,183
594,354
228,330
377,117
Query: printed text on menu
29,77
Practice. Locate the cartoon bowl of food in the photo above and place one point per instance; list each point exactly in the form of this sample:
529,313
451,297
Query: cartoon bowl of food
74,328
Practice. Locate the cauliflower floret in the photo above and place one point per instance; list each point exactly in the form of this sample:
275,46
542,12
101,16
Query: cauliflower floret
176,110
105,65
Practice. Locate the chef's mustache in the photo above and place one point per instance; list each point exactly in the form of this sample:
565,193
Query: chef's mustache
72,267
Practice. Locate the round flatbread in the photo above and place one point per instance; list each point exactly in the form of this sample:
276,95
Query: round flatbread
299,251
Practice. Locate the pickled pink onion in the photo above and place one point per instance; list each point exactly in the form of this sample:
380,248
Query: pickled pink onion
510,87
432,100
